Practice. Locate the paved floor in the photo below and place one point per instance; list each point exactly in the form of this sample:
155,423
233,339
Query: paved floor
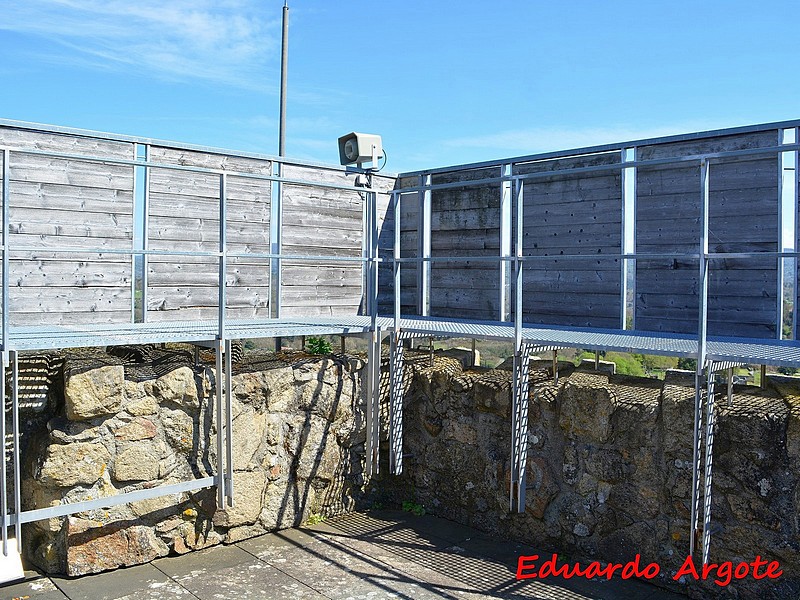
375,555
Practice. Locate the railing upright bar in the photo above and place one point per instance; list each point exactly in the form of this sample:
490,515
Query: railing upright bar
506,234
229,422
6,247
521,360
396,261
424,250
628,240
3,471
219,421
16,448
223,259
145,229
795,261
702,330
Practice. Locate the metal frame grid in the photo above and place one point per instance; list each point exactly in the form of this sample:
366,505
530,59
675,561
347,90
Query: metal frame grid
216,334
711,353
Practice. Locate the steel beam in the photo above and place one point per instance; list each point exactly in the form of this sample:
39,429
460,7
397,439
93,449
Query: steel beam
506,240
396,405
219,391
6,250
223,259
229,423
709,443
424,249
16,447
519,427
628,238
3,433
275,241
702,331
62,510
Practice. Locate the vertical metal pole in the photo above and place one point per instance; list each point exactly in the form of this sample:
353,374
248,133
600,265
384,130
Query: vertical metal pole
730,386
374,358
135,242
229,422
628,239
276,248
396,408
396,263
15,435
424,253
396,358
519,197
3,482
223,259
710,422
555,367
368,402
284,76
372,198
506,234
276,207
701,351
796,210
145,231
521,362
6,244
781,221
220,424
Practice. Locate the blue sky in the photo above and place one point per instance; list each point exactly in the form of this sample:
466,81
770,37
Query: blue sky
444,82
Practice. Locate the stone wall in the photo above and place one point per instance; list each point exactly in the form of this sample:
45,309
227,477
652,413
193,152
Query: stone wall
609,466
609,469
298,450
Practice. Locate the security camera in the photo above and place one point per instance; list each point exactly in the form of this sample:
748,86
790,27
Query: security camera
358,148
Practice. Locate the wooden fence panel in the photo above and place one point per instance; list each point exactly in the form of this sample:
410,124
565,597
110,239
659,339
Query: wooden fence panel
573,214
184,216
743,217
68,203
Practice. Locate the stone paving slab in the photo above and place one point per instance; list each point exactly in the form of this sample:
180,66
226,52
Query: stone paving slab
361,556
34,587
141,581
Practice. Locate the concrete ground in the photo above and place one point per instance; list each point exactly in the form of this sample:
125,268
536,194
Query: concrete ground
375,555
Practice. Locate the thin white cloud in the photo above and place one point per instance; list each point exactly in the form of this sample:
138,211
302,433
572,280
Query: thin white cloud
224,41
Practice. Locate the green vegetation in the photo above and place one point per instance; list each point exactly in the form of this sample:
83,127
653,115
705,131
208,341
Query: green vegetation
413,508
315,518
317,345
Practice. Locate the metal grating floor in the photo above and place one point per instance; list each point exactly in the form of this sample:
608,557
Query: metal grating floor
755,351
83,335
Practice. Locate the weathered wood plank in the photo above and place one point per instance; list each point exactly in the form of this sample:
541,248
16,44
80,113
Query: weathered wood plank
743,141
73,172
53,299
228,162
64,143
46,197
64,273
177,206
71,318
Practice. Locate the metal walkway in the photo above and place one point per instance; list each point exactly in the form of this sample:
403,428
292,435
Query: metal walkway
217,253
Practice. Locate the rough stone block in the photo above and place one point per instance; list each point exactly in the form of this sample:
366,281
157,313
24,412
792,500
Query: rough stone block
81,463
94,392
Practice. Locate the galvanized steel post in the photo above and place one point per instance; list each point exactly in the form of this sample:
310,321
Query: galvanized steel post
701,351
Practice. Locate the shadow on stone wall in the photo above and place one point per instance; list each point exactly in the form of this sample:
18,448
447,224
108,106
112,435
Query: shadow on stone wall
609,466
298,433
